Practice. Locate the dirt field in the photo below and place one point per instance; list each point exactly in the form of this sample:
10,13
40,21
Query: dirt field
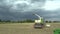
25,28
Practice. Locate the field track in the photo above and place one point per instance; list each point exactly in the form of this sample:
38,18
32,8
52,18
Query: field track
26,28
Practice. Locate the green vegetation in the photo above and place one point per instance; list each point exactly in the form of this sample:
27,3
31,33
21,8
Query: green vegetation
57,31
25,21
10,21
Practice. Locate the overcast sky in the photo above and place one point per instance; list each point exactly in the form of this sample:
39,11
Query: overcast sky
24,9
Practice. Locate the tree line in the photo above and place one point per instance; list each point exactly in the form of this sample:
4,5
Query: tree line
25,21
21,21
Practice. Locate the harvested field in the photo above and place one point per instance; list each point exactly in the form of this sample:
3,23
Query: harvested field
26,28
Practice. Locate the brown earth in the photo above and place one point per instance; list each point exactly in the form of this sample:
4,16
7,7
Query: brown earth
26,28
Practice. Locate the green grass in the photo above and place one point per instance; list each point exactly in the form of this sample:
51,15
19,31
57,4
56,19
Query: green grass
26,28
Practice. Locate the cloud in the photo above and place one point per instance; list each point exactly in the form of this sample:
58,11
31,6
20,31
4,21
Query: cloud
26,5
33,1
24,9
52,5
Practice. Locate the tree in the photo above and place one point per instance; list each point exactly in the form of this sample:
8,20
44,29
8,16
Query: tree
46,21
0,20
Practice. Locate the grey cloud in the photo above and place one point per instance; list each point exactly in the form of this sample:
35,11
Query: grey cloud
24,11
20,7
6,12
29,15
38,1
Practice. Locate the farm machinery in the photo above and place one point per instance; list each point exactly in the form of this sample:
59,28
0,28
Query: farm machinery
40,22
